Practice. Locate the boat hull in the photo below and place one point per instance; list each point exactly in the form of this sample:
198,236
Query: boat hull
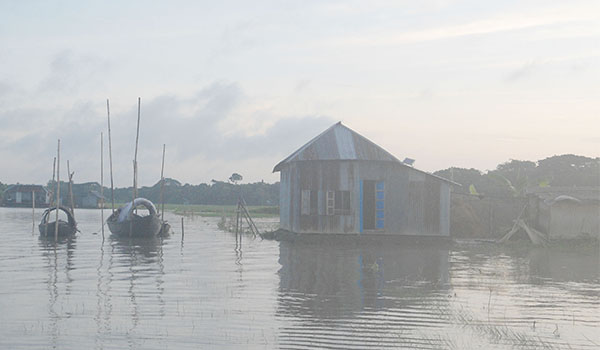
137,226
64,229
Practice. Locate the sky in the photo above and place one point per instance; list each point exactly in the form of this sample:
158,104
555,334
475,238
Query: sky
236,86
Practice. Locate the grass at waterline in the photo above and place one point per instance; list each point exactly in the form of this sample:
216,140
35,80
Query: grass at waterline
256,211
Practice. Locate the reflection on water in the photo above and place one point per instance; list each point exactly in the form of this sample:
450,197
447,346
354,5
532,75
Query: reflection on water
345,294
224,291
345,277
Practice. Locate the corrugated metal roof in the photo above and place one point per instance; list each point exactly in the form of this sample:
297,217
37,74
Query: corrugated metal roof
342,143
338,143
25,188
551,194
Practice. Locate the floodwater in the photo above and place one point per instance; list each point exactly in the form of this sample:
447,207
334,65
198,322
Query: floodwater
215,291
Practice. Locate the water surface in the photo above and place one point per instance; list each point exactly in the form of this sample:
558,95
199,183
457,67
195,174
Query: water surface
214,290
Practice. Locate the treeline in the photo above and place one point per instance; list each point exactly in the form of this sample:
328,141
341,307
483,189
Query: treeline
513,178
217,193
509,179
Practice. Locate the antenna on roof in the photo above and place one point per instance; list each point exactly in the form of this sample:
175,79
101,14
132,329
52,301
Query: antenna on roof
409,161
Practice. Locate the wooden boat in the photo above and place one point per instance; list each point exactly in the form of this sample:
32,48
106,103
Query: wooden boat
124,222
65,228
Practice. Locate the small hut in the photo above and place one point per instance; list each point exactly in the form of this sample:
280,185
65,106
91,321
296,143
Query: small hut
92,199
342,183
565,212
22,196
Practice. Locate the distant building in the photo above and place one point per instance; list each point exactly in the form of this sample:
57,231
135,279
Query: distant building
565,212
92,199
86,195
22,196
340,182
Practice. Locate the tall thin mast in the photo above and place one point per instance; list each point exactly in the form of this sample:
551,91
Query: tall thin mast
112,188
134,192
57,190
137,137
102,181
71,201
162,186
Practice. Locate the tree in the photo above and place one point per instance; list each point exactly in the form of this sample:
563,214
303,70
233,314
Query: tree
235,177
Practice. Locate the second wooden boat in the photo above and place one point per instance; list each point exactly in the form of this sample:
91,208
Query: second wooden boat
65,228
125,222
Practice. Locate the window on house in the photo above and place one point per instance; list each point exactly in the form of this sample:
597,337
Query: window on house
342,203
309,203
305,202
330,202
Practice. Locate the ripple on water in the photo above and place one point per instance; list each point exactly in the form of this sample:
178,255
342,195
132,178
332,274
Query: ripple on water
211,291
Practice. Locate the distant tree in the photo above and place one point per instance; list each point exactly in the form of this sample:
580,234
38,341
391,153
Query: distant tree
569,170
235,178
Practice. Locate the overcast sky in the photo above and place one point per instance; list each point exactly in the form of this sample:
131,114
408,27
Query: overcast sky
234,86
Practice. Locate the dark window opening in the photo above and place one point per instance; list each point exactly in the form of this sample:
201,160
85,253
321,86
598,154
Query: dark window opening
369,205
309,202
342,203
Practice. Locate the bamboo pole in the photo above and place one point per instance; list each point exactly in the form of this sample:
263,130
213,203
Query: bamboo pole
237,219
57,190
112,188
72,202
33,212
51,197
137,137
132,203
162,187
102,182
53,173
182,229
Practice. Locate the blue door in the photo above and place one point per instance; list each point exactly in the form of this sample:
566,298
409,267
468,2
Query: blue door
380,206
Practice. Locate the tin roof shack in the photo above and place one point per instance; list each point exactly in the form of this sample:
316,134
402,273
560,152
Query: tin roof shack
565,212
87,195
342,183
21,196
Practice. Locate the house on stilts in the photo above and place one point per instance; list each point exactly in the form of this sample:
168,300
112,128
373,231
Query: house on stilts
342,183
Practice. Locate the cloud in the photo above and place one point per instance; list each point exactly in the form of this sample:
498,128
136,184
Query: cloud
523,72
534,18
200,129
69,73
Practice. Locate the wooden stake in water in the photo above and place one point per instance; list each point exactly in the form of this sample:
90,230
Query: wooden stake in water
33,211
112,188
132,203
57,190
51,197
162,187
102,182
71,201
182,230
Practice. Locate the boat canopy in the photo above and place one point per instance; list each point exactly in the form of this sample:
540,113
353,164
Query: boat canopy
70,217
126,211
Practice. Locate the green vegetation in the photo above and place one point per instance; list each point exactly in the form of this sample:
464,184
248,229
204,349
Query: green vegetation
221,210
512,178
256,211
215,193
